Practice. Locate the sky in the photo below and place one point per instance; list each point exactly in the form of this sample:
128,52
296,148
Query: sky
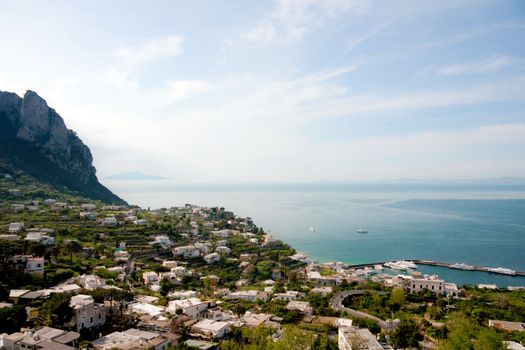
279,91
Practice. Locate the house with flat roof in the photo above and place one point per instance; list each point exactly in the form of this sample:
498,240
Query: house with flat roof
193,307
41,338
211,329
302,306
507,325
352,338
212,258
136,339
16,227
91,282
250,295
289,295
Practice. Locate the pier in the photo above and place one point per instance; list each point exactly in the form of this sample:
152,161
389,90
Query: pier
441,264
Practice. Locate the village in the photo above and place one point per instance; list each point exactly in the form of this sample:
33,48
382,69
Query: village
83,274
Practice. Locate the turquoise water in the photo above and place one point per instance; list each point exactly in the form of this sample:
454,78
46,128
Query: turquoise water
477,227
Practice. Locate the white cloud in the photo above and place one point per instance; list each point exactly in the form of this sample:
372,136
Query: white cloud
121,73
290,20
255,130
152,49
263,33
488,65
181,89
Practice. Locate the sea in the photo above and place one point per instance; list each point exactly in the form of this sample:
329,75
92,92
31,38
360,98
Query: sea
475,224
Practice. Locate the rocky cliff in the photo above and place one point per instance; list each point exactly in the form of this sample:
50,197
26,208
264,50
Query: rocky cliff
34,138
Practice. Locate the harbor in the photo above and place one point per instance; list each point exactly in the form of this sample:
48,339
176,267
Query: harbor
497,270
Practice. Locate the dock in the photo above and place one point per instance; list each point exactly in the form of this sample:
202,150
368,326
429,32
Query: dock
440,264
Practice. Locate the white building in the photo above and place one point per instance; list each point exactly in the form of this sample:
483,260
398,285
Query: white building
512,345
47,338
351,338
250,295
35,265
135,339
91,282
110,221
140,222
88,215
41,237
187,251
130,218
222,233
16,227
169,263
212,258
9,237
180,271
87,313
223,250
88,206
289,295
203,247
151,277
163,240
146,308
211,329
193,307
122,255
433,284
182,294
302,306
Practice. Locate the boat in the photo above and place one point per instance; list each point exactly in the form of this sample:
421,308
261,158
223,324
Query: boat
362,230
462,266
311,229
502,270
401,265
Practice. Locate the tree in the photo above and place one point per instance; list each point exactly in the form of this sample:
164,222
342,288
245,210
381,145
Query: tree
239,309
406,334
73,247
398,296
60,275
488,339
55,311
12,318
460,332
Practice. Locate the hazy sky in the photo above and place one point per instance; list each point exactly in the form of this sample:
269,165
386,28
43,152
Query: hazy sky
286,90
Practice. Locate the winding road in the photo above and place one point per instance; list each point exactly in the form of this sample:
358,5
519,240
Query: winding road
337,304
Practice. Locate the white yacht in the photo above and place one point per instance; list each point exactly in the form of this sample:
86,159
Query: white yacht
401,265
502,270
462,266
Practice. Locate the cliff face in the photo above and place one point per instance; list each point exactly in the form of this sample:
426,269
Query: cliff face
35,138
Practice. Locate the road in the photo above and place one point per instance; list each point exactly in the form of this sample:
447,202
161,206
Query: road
337,304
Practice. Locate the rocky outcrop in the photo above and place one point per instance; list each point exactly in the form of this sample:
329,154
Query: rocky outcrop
35,138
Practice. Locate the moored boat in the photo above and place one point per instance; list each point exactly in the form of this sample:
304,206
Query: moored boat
502,270
462,266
